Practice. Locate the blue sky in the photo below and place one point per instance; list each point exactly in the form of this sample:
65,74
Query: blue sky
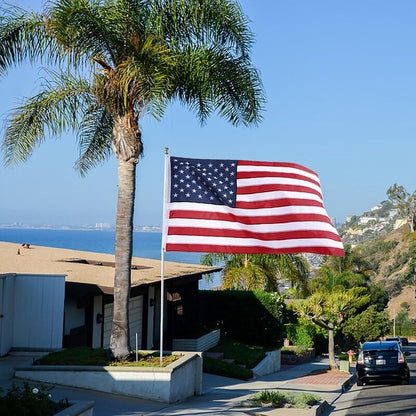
340,83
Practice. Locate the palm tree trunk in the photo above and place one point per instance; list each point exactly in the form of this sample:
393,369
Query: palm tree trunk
127,146
331,349
120,337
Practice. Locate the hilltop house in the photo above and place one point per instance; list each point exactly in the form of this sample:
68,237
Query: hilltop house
52,298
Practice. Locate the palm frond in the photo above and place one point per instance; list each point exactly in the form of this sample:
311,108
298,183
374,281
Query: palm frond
94,137
49,113
25,36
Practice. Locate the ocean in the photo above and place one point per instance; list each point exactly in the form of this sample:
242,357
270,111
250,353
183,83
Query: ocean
145,244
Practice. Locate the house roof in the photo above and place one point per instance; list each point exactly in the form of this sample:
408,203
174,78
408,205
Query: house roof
89,267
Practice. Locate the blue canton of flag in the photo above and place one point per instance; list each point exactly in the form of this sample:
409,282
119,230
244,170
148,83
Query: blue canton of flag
204,181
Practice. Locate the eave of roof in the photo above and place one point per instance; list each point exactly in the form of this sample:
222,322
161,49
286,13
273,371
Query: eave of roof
90,267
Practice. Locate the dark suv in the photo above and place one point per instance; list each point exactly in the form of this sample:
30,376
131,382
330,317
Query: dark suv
382,360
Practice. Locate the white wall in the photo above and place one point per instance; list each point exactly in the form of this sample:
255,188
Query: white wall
38,311
96,327
7,312
74,316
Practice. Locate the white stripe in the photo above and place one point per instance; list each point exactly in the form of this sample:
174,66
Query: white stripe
258,228
241,183
278,169
258,212
250,242
268,196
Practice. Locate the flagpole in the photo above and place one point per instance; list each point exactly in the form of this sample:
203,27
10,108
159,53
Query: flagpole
162,251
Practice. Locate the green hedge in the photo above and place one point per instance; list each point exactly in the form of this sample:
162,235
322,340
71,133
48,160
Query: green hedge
254,318
222,368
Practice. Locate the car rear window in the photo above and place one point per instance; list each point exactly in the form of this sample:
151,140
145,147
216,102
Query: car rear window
380,357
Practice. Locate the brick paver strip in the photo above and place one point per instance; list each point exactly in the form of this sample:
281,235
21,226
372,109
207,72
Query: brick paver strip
325,378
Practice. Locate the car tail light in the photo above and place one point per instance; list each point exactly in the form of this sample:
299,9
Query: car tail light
400,358
360,359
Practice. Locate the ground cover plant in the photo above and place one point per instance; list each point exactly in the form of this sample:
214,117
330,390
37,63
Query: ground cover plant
225,369
294,350
28,401
242,354
102,357
275,398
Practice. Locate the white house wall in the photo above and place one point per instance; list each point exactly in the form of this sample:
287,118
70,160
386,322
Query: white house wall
136,322
96,326
74,316
6,313
38,312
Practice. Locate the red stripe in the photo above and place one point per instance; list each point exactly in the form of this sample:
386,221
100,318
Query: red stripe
278,203
265,174
275,187
283,235
208,248
275,164
270,219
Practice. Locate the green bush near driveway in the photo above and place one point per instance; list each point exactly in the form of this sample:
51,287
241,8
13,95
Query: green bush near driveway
276,398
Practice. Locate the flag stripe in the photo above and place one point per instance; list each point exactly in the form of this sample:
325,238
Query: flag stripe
253,242
280,184
252,205
276,166
240,212
287,235
215,218
211,248
220,224
234,206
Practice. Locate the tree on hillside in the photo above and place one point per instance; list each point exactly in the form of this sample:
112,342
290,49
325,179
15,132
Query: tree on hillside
405,202
260,271
329,310
112,62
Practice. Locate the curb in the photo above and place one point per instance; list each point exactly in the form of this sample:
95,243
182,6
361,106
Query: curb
348,383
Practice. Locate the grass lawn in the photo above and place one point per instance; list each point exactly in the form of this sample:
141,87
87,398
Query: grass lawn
101,357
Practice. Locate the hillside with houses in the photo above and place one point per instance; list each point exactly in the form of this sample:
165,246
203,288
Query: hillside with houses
380,220
387,245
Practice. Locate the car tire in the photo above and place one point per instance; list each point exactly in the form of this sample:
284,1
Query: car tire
359,382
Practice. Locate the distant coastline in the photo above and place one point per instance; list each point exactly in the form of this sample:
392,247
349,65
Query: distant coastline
106,227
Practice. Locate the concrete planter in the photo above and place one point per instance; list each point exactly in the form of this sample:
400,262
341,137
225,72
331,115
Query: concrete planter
78,409
177,381
270,364
203,343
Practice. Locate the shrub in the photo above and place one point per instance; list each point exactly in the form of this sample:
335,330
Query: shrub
301,334
253,318
222,368
296,350
278,399
243,354
25,401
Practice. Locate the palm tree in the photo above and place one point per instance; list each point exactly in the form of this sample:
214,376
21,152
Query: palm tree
112,62
260,271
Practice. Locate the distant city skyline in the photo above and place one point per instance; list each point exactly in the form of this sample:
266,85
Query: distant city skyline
341,92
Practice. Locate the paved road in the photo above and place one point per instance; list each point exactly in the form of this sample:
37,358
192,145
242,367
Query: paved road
381,399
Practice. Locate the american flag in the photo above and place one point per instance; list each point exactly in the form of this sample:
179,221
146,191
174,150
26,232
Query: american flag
239,206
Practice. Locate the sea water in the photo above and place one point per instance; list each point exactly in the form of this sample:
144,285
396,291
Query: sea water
145,244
